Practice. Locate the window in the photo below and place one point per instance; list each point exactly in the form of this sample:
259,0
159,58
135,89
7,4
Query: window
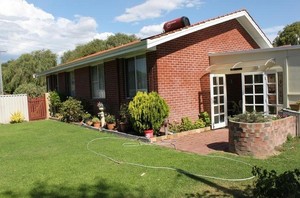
52,83
136,75
72,84
98,81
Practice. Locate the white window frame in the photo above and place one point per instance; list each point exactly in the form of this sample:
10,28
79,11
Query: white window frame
99,91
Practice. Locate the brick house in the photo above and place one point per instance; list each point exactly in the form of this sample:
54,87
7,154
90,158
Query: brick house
175,64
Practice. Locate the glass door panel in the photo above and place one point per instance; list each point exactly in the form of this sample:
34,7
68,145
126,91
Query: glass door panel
218,103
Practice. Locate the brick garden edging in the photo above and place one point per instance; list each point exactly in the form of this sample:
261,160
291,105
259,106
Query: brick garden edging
180,134
260,139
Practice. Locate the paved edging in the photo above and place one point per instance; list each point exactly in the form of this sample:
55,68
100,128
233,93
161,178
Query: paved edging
180,134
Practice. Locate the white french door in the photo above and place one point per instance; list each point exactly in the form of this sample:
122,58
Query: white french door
218,100
253,92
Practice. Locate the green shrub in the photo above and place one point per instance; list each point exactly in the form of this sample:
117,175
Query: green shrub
253,117
147,111
55,102
186,124
205,117
71,110
269,184
17,117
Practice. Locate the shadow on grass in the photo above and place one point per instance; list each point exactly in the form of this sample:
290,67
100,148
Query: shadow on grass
221,191
100,189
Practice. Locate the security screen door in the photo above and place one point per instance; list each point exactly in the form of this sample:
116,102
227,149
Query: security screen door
218,100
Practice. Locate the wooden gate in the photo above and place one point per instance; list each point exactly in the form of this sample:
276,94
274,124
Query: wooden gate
37,108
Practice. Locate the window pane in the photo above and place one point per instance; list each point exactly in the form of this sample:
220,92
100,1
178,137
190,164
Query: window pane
272,110
72,83
95,82
249,108
221,90
280,87
259,99
216,91
272,99
214,80
271,78
216,101
141,73
216,110
221,99
130,77
248,89
221,108
221,81
248,80
216,119
272,88
101,81
258,78
259,108
259,89
249,99
222,118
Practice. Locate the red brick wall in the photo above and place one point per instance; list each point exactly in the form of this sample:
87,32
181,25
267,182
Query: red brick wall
182,78
112,91
83,83
260,139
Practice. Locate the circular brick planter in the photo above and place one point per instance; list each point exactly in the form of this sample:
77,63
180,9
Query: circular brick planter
260,139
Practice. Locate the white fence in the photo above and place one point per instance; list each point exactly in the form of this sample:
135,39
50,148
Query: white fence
10,104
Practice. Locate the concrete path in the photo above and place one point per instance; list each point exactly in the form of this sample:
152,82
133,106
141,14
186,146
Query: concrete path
201,143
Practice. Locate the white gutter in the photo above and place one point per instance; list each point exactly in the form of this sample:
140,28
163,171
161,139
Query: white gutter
88,60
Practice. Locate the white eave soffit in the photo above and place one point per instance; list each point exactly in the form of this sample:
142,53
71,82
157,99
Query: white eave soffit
241,66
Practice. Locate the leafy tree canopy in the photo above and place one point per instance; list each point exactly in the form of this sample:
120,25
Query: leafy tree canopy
97,45
289,36
20,71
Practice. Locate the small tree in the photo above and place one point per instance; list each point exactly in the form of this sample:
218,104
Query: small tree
71,110
147,111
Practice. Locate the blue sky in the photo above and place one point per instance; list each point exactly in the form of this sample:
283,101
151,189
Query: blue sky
60,25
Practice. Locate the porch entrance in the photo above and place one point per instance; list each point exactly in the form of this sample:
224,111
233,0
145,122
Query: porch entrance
232,94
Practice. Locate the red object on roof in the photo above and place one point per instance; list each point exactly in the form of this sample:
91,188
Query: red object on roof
176,24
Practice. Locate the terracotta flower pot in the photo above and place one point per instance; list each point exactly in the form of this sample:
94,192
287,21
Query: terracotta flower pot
148,133
97,125
110,126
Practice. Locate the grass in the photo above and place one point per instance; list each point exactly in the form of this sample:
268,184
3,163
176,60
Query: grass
50,159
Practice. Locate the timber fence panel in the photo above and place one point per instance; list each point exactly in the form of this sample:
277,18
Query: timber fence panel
10,104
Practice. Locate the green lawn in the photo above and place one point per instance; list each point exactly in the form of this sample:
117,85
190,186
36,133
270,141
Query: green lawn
51,159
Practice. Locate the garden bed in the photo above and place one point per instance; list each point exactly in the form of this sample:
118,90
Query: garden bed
260,139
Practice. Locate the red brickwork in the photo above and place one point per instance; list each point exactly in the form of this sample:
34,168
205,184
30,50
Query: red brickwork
182,78
83,83
260,139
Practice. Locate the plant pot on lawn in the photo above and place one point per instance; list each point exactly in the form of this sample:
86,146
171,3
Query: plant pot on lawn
110,121
147,112
123,123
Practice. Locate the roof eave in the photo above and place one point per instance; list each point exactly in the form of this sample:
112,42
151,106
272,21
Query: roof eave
89,60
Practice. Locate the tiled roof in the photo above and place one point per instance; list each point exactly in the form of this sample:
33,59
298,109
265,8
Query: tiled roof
195,24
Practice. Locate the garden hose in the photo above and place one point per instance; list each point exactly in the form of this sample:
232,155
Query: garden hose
166,167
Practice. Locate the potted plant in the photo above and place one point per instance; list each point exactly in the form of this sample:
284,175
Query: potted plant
96,122
295,106
124,118
148,112
110,121
86,117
